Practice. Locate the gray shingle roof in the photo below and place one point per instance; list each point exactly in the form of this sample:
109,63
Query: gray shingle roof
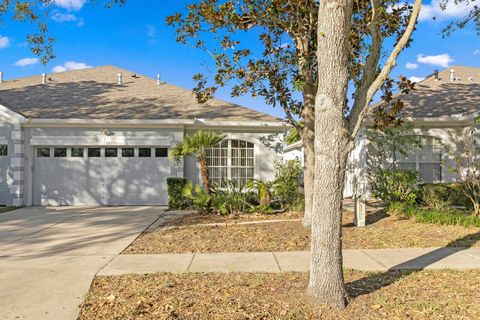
442,98
94,94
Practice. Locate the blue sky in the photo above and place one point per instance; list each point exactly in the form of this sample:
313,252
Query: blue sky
135,37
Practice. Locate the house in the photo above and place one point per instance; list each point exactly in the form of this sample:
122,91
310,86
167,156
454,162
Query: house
100,136
443,103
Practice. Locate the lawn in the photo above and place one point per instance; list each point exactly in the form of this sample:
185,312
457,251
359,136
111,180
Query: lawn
394,295
195,233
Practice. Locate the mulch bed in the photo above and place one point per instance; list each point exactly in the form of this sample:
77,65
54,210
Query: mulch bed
393,295
188,234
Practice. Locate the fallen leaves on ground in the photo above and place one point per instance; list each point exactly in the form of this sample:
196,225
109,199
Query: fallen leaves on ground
189,235
439,294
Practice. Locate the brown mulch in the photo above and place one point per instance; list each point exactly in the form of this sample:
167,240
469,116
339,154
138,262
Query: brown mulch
194,219
440,294
188,235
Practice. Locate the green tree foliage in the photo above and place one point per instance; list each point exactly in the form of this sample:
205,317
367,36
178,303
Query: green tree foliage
37,12
471,19
387,144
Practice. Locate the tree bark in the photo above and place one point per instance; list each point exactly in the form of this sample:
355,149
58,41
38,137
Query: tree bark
332,146
308,138
204,174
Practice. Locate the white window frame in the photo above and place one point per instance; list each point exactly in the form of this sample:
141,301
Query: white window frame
432,141
229,167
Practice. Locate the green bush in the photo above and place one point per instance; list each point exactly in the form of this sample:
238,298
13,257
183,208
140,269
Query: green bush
287,181
456,218
200,199
231,199
176,200
444,195
395,185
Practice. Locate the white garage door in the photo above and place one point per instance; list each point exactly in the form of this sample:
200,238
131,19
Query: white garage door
100,176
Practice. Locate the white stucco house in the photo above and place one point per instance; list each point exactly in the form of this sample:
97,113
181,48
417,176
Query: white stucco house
100,136
441,104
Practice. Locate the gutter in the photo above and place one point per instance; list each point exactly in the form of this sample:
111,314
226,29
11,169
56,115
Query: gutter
193,123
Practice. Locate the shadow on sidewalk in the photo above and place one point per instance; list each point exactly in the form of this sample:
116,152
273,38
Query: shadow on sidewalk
374,282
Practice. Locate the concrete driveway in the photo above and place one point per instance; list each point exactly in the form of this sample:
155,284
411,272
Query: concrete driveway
49,256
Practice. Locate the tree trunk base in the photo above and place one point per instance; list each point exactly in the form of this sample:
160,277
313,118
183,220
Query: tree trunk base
306,222
337,301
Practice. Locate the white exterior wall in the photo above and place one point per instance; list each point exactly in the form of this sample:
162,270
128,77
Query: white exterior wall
357,165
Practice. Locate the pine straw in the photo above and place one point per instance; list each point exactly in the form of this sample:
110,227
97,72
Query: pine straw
394,295
189,235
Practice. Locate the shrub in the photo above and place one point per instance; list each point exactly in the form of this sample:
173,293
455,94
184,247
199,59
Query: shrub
200,199
176,200
435,216
287,180
231,199
395,185
442,196
263,191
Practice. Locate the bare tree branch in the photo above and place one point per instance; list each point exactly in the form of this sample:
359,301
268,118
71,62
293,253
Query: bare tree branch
359,111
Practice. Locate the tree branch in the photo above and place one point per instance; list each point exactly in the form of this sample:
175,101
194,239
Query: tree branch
360,108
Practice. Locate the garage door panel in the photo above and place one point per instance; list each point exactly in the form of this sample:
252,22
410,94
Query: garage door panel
101,181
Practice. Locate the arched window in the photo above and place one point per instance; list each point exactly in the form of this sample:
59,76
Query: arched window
232,160
427,160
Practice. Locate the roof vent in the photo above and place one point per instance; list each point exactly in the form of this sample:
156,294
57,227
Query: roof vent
120,79
435,73
158,79
452,75
44,78
1,77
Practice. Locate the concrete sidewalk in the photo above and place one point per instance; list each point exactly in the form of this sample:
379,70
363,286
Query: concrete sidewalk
364,260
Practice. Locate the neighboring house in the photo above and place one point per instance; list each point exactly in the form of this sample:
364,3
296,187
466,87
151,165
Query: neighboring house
101,136
443,103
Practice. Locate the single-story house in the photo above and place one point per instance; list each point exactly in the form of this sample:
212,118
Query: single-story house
441,104
100,136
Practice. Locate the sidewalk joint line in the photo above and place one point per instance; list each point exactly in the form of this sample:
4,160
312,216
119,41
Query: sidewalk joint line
191,261
373,258
276,260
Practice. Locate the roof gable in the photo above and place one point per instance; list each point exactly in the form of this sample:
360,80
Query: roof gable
445,98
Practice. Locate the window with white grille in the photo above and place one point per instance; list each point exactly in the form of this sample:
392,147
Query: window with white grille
427,160
232,160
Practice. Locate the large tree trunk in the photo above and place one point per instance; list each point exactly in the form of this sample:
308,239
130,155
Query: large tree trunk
308,138
332,146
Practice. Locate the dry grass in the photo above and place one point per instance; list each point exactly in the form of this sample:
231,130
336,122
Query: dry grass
188,235
394,295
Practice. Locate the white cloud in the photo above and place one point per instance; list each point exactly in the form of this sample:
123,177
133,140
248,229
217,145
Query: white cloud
70,65
70,4
476,52
416,79
63,17
4,42
411,66
26,62
151,33
441,60
451,11
67,17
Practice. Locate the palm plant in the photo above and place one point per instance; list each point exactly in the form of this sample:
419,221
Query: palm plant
197,145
